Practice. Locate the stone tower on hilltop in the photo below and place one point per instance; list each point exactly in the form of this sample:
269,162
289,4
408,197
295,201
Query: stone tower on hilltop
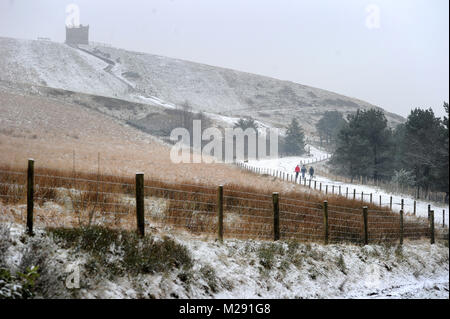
77,35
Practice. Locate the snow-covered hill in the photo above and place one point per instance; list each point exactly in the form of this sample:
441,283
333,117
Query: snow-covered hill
157,80
56,65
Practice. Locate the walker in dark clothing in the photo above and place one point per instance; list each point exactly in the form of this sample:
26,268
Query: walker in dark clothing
303,171
311,172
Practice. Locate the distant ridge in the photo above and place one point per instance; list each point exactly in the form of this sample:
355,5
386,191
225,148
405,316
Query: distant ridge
157,80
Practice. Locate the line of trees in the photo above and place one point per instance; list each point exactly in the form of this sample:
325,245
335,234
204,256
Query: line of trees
328,128
414,154
292,144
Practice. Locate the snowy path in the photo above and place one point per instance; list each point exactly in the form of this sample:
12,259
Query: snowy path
287,165
116,69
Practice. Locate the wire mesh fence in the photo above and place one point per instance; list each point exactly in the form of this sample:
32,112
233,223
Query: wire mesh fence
111,201
330,188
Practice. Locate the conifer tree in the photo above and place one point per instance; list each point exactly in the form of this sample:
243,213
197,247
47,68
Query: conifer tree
294,143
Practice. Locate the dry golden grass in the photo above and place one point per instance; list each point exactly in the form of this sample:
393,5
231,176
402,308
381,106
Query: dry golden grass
64,136
68,141
108,200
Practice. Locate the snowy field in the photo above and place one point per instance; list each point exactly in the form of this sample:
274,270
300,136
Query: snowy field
287,165
247,269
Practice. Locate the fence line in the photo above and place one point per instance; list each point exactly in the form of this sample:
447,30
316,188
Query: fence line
211,210
336,189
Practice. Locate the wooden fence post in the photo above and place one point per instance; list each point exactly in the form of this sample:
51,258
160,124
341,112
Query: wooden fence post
362,196
429,209
390,203
30,195
320,187
346,192
325,221
326,189
366,234
401,226
220,213
332,190
140,204
443,218
432,227
402,204
371,198
414,208
276,217
380,200
354,194
315,184
339,190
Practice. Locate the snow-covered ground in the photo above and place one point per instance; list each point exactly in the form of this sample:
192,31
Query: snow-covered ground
421,206
321,274
246,269
157,101
287,165
230,121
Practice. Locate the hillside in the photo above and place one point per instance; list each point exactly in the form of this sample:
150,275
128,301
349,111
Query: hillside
168,82
60,134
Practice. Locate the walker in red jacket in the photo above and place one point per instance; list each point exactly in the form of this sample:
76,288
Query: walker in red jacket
297,171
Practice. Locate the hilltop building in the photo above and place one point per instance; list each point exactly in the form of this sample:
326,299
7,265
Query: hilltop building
77,35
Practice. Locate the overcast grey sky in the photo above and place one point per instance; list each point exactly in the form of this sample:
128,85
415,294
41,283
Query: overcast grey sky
397,59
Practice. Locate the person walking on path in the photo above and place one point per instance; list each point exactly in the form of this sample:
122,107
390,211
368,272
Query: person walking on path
311,172
303,171
297,171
